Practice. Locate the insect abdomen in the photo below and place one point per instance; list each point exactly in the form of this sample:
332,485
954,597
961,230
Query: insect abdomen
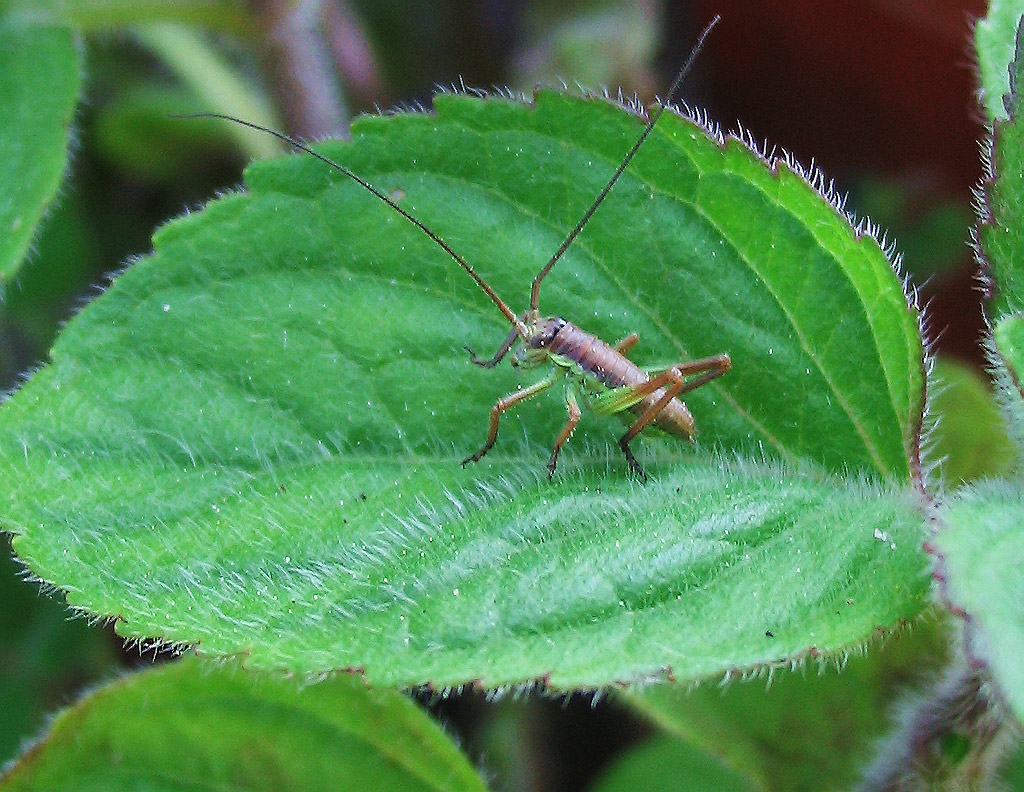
614,370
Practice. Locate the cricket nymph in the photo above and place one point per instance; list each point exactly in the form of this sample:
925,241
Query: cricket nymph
603,378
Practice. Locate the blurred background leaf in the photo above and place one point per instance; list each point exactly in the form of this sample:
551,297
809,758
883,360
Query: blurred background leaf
663,764
46,655
807,728
189,725
970,439
38,104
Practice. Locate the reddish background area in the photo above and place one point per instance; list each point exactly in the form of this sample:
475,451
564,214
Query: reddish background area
867,87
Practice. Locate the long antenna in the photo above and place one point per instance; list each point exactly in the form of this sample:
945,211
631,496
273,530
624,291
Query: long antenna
654,116
517,323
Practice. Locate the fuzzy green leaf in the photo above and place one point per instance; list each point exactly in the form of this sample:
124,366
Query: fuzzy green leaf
1008,359
993,39
253,438
981,547
183,726
1001,227
37,108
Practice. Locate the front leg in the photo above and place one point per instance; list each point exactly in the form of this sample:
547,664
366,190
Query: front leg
494,361
507,403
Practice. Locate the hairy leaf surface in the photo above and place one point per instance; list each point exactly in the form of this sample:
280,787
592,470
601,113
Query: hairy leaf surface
982,552
252,440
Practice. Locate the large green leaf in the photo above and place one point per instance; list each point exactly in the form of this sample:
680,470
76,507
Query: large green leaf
981,547
252,440
183,726
39,82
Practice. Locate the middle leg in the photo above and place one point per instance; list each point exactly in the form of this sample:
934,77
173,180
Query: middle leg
623,346
574,418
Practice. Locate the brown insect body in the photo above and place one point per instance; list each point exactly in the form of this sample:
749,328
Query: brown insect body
601,376
591,359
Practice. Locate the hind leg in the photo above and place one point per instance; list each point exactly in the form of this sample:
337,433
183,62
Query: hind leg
673,380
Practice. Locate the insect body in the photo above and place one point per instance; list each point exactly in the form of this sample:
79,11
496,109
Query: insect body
603,378
600,376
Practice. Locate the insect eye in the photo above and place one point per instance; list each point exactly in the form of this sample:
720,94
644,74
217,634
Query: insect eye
553,329
548,336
